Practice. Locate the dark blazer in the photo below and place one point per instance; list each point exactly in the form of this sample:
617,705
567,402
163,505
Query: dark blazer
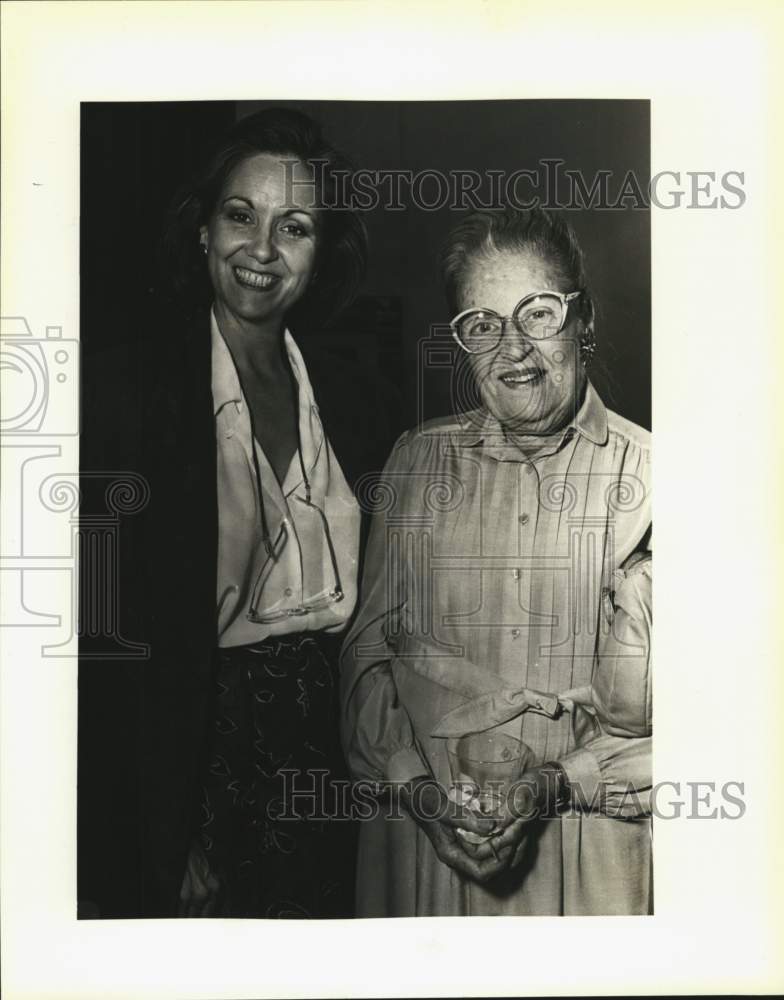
147,409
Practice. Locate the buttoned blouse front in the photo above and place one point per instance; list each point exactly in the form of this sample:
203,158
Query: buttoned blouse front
302,567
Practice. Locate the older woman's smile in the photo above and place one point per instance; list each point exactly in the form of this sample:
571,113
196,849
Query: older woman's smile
520,375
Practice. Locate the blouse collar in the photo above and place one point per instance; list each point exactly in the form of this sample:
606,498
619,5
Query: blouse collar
226,386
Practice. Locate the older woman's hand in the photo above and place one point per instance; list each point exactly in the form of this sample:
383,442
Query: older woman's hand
534,795
440,818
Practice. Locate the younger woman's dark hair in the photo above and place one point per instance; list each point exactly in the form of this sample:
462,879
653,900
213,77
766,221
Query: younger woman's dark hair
341,252
544,234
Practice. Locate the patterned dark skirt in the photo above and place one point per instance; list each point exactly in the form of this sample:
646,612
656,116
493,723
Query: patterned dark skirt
274,827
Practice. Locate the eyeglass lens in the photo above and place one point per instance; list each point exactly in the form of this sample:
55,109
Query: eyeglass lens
538,319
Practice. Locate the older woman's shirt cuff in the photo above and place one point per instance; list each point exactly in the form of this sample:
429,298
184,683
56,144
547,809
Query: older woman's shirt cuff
611,774
584,777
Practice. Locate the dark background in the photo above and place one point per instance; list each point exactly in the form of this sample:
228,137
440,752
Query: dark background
134,156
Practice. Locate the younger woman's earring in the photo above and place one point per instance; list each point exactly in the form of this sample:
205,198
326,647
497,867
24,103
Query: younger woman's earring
204,248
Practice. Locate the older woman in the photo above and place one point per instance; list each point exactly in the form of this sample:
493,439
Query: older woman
496,534
245,564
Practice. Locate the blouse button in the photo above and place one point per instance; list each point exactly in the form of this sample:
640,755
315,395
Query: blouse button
288,591
515,633
524,518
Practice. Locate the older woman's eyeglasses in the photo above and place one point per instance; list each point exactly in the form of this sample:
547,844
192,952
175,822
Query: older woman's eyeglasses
538,317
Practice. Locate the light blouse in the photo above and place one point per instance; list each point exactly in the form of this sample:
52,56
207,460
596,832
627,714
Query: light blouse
311,554
484,576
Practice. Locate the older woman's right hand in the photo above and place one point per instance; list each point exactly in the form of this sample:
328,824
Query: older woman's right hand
426,801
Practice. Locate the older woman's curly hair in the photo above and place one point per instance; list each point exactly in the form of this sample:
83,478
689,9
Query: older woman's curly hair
341,251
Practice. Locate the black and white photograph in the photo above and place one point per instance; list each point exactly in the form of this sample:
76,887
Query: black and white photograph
329,496
380,633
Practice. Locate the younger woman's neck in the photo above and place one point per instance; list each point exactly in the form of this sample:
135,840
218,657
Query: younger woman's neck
255,347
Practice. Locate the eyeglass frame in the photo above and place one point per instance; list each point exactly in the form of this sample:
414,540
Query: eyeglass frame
334,596
563,297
